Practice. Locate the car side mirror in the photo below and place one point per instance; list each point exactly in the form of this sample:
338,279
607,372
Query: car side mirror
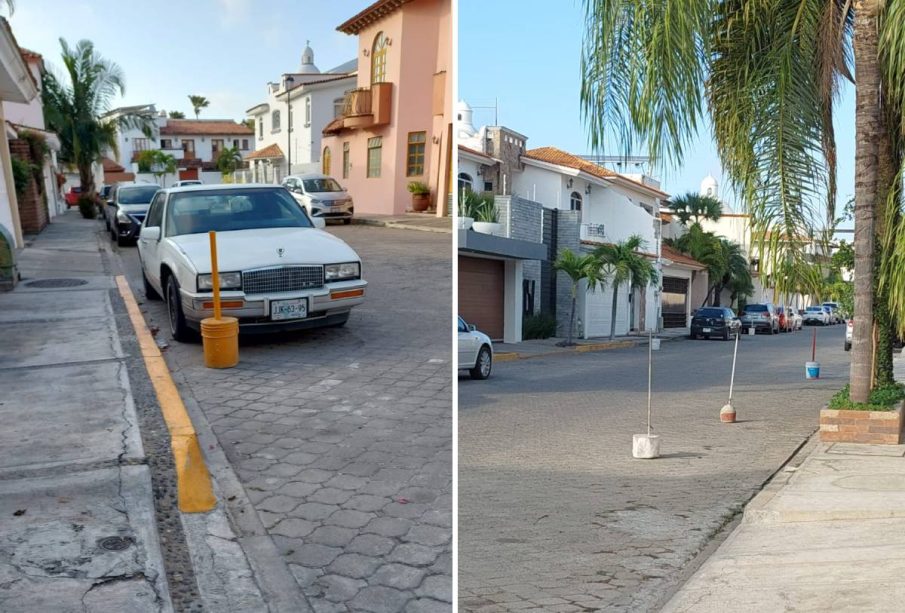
319,223
150,234
110,202
472,328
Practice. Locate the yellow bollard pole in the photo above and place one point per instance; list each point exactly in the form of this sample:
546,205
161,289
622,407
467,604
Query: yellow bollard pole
215,276
220,335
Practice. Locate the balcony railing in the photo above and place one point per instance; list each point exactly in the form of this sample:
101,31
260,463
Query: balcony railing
357,103
593,232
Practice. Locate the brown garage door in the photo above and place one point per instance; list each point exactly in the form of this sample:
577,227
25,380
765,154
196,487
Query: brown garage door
481,294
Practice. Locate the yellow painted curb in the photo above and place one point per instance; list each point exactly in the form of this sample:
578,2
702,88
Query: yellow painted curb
506,357
195,492
604,346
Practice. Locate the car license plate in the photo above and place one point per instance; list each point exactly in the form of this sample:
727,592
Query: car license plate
707,330
296,308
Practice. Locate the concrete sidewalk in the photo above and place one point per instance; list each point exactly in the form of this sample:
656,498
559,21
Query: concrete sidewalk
426,222
88,513
825,535
536,348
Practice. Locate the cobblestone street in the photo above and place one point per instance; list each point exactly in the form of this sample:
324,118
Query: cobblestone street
555,515
342,437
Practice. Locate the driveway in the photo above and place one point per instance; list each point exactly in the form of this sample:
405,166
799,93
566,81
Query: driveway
555,515
342,437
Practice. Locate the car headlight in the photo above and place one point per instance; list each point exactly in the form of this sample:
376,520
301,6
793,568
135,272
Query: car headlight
316,201
228,281
122,217
336,272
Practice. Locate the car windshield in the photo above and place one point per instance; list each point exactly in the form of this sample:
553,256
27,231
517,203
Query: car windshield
321,185
140,194
230,209
815,308
709,313
755,308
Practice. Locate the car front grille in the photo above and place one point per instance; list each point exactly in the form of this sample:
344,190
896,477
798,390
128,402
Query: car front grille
282,279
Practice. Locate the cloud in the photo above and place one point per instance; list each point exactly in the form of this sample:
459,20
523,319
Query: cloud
233,12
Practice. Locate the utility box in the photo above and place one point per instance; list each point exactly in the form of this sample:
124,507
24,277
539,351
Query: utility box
9,274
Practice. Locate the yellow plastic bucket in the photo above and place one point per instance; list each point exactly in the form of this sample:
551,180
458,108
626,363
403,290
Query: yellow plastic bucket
220,338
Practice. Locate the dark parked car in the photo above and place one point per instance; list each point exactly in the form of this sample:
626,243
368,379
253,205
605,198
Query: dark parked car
761,317
718,322
126,208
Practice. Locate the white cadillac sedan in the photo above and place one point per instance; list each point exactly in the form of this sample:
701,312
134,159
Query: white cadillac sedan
475,351
278,269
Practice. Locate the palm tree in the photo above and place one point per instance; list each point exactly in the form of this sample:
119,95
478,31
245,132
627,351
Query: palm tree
198,103
578,268
695,208
229,160
176,115
768,75
75,103
622,262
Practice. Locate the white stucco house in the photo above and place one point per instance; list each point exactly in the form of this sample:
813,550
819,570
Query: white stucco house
289,123
195,143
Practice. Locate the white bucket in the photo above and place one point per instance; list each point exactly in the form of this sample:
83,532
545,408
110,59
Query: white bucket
646,446
655,344
752,331
812,370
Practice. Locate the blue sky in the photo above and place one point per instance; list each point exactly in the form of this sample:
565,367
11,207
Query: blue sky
225,50
526,53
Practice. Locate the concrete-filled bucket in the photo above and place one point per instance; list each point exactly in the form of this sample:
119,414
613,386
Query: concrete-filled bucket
221,342
812,370
655,344
752,331
646,446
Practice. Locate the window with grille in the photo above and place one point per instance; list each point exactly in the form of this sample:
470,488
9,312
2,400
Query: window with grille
346,160
325,161
375,149
141,144
415,165
275,121
575,202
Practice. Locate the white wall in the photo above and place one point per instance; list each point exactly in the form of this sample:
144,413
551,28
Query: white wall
31,113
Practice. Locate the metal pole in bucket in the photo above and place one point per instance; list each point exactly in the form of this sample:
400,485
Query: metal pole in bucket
812,368
219,335
647,446
727,413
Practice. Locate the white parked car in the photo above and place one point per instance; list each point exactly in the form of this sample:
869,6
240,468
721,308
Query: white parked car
321,196
187,182
278,269
835,316
793,316
817,314
475,351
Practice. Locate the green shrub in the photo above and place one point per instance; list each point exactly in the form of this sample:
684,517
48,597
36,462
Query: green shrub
87,206
885,398
541,325
22,172
418,188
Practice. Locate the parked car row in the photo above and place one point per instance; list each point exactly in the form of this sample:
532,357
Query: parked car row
278,270
767,318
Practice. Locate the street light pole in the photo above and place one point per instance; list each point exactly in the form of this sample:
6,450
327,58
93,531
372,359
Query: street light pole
289,82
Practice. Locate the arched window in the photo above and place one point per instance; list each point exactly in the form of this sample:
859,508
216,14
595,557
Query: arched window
307,111
379,59
275,121
465,181
325,161
575,202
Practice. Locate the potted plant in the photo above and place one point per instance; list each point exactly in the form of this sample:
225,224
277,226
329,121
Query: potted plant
468,200
486,217
421,196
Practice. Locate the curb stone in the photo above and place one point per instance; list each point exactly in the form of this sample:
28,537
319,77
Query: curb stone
512,356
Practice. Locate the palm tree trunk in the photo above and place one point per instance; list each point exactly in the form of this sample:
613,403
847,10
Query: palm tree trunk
615,305
868,131
86,178
571,319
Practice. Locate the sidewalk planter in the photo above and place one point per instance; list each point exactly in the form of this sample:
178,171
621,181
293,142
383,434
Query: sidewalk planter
487,227
869,427
464,223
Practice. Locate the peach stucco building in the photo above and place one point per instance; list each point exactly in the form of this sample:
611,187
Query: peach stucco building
396,126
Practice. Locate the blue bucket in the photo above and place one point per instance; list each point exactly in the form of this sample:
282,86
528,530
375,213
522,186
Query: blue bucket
812,370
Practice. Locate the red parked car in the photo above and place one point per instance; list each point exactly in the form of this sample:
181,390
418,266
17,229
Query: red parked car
72,196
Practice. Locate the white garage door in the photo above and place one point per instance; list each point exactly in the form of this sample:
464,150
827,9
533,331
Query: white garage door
600,308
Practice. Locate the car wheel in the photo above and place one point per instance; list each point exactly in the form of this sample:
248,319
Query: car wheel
483,365
848,346
150,292
178,328
726,334
693,336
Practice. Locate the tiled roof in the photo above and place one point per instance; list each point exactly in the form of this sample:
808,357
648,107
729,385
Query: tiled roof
111,166
334,127
28,54
475,152
680,258
268,152
212,127
372,14
552,155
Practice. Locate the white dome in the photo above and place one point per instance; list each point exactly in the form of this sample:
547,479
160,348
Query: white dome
464,120
710,187
308,66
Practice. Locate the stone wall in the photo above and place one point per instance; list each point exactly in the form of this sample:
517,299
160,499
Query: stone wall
33,213
523,220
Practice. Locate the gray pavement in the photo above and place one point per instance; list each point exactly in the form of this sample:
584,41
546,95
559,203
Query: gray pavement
77,510
555,515
341,439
